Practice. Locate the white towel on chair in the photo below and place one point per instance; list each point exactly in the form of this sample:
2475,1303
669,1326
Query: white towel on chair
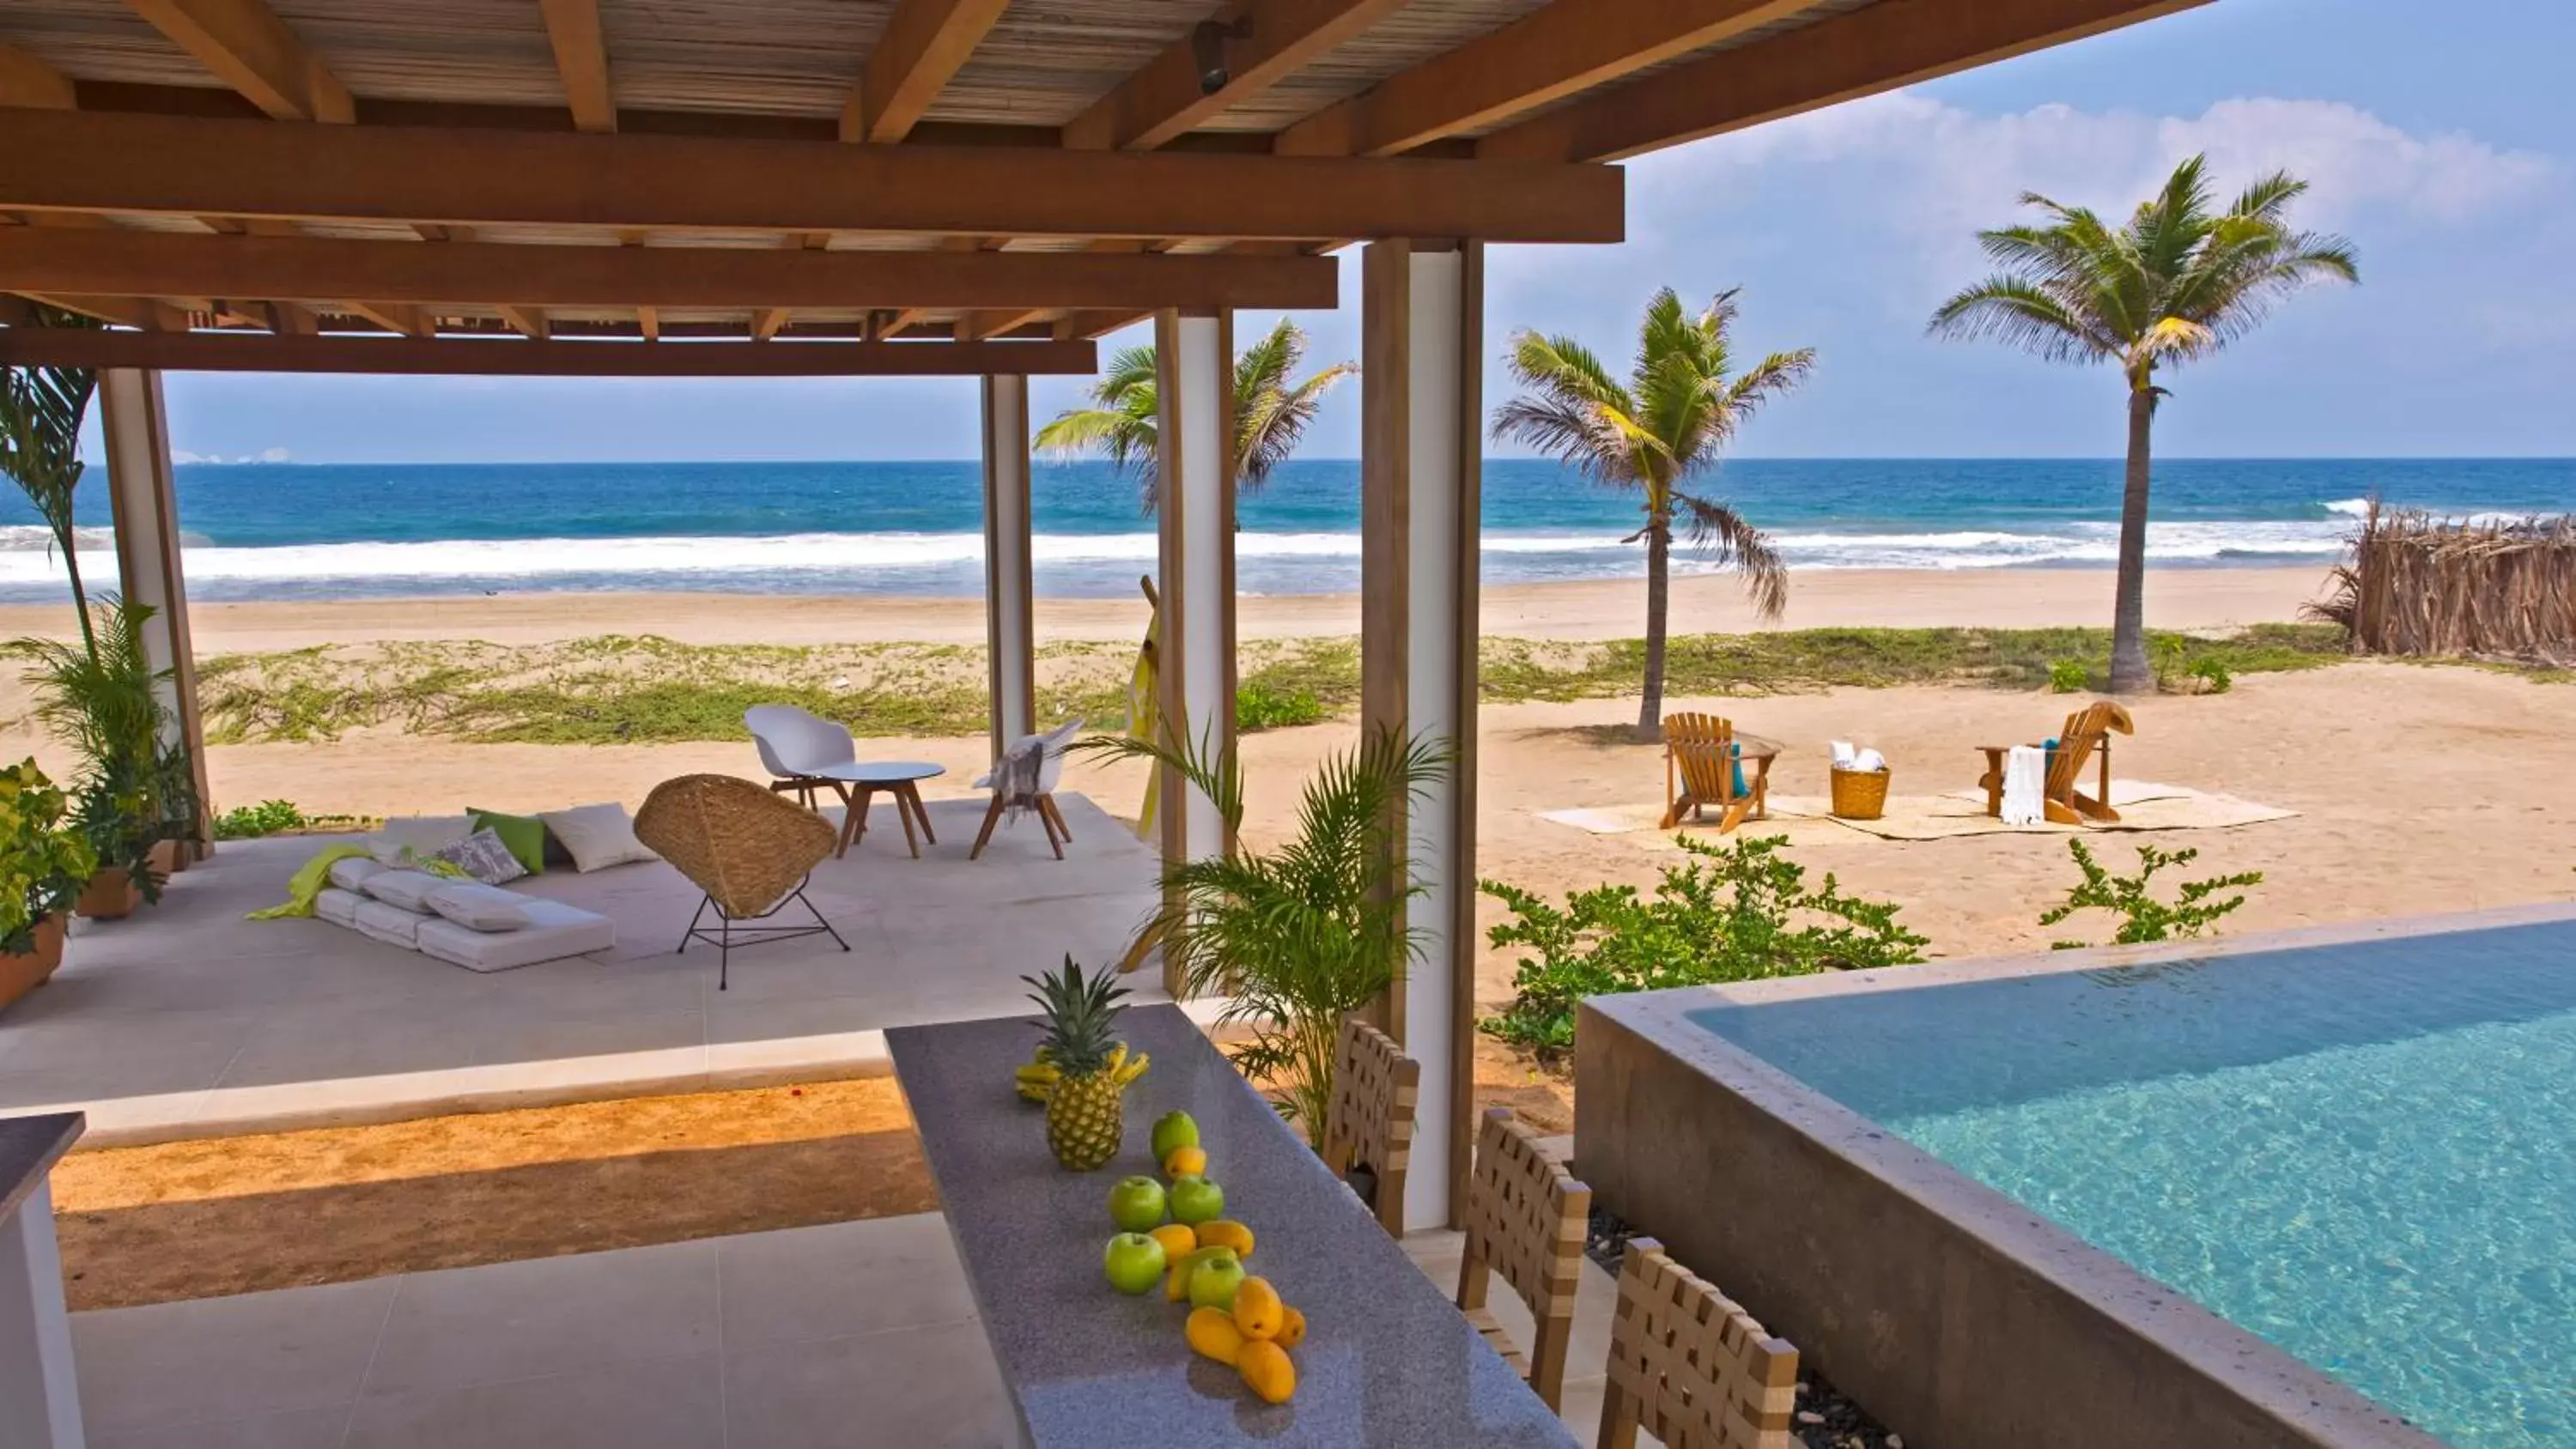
2025,785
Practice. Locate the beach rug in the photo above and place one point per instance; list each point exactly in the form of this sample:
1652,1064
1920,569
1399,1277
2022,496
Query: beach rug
2143,806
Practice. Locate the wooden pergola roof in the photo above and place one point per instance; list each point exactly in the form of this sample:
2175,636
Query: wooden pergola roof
994,181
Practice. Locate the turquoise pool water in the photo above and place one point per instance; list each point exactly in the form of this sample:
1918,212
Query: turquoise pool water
2365,1154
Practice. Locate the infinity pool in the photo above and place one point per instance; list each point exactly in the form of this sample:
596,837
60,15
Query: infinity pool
2363,1153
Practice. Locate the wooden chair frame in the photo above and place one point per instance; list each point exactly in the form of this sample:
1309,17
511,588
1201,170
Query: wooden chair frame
1526,1221
1375,1090
1699,771
1690,1366
2084,737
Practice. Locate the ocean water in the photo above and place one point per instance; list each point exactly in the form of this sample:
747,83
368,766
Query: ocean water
343,530
2365,1154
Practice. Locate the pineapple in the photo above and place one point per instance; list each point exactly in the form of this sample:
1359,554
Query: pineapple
1087,1096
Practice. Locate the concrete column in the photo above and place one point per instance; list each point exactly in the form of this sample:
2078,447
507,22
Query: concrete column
145,505
1422,325
1194,508
1010,634
39,1392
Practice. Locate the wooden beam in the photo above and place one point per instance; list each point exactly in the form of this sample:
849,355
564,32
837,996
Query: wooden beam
479,276
250,49
1260,43
526,321
26,80
1000,322
1554,52
147,314
766,322
254,352
408,320
581,58
93,161
287,319
648,322
1890,44
925,42
1094,322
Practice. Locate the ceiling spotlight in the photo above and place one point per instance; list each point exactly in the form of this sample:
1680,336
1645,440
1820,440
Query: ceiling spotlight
1207,50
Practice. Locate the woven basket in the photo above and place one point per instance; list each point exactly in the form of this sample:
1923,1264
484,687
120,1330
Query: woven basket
1860,794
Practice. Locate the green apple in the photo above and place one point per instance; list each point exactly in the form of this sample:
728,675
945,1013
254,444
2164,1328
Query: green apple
1214,1280
1134,1263
1136,1204
1194,1200
1174,1129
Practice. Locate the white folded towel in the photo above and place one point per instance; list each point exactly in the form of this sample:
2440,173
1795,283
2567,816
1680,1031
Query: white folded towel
2025,785
1868,762
1844,754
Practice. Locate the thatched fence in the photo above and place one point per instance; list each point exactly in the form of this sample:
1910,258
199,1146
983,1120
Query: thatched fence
2420,586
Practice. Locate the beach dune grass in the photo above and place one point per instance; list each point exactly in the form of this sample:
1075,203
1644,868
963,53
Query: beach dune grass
641,689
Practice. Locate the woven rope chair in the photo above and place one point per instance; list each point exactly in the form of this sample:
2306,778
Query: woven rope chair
1369,1131
1526,1218
749,850
1691,1367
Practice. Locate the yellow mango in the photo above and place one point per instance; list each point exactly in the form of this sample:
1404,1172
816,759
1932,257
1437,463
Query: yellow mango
1179,1240
1185,1162
1257,1309
1226,1233
1292,1328
1213,1334
1266,1369
1176,1285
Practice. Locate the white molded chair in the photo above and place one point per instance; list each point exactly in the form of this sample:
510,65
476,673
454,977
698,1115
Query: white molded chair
1051,746
796,747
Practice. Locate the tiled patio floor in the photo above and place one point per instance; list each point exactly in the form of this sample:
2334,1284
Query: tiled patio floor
850,1336
186,1019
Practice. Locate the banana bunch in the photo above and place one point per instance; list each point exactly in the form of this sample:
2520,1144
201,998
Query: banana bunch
1037,1078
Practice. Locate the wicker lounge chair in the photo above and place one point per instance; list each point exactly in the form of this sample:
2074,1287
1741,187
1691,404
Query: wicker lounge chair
2085,736
750,851
1700,769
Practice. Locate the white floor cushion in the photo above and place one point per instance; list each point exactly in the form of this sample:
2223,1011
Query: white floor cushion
351,872
554,930
480,907
598,836
391,924
339,907
407,890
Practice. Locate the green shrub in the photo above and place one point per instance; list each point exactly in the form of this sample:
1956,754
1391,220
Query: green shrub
268,817
1262,706
2142,916
1736,912
2068,676
2213,676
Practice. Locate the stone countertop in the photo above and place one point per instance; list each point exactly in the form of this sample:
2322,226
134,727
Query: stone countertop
1386,1361
29,1147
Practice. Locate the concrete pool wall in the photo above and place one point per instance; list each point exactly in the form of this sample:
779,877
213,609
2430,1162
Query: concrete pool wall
1959,1317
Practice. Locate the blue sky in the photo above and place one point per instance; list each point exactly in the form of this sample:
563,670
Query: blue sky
2440,139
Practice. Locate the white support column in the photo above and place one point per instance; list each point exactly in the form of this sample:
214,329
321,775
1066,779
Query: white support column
39,1392
1422,320
144,501
1010,633
1194,506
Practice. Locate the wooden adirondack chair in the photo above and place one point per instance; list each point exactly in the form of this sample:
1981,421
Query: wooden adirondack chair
1699,771
2085,737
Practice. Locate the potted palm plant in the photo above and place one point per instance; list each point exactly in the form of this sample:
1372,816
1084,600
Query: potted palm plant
43,864
1302,936
100,698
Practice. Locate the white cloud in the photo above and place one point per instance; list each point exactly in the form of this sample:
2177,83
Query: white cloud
1944,172
274,455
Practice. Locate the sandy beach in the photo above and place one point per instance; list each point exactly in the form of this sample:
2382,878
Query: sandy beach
2417,788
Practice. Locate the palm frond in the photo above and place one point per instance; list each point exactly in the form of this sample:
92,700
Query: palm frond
1723,536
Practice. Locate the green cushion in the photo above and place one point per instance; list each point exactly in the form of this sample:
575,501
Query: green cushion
525,835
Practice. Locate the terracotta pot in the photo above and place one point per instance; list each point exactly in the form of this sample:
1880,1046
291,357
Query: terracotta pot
22,973
168,858
110,894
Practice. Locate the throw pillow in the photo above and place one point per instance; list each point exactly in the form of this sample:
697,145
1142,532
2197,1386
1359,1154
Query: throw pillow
524,834
479,907
485,858
597,835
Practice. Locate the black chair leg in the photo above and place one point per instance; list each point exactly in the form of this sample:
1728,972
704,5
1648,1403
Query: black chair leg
691,934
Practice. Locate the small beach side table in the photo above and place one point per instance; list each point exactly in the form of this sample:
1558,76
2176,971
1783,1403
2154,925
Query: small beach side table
39,1389
860,783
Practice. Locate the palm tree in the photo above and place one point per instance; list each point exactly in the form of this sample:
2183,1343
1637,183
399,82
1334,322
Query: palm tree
1270,413
1662,429
2176,284
41,409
